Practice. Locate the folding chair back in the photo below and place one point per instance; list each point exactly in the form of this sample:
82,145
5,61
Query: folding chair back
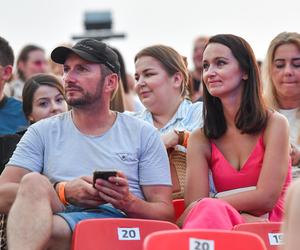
195,239
115,234
268,231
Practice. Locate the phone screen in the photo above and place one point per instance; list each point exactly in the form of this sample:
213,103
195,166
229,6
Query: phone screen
103,175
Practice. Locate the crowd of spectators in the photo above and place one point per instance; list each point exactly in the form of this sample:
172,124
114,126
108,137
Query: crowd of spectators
234,125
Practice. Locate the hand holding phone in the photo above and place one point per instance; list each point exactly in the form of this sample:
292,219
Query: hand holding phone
103,175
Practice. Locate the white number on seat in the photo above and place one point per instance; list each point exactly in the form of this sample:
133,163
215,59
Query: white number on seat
200,244
128,233
275,239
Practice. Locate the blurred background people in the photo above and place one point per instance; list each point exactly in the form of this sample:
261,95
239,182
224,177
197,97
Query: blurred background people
31,60
281,71
12,118
162,78
196,88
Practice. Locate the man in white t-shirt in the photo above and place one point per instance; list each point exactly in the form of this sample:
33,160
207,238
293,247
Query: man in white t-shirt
50,173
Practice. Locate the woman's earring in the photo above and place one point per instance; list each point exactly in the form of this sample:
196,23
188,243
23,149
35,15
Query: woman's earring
245,77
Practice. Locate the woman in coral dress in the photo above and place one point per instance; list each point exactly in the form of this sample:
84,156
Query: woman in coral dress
244,144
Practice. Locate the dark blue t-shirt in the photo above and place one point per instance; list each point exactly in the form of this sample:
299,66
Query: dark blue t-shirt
12,118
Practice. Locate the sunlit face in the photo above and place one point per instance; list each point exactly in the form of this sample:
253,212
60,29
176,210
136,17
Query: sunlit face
47,101
83,84
222,74
286,71
36,63
153,83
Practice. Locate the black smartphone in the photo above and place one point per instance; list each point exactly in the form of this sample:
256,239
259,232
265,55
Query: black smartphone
103,175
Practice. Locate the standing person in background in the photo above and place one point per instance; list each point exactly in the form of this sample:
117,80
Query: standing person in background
12,117
31,60
239,143
196,87
281,72
162,78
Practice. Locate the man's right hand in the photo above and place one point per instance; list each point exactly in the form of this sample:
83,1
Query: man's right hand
80,192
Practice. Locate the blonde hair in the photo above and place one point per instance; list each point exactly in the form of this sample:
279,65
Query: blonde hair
269,90
171,61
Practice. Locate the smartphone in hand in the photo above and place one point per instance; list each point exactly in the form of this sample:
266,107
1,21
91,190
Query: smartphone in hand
103,175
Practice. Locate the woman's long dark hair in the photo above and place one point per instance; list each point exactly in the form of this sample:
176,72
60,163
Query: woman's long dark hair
252,115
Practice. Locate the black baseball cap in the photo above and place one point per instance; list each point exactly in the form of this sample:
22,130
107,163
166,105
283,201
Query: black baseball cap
90,50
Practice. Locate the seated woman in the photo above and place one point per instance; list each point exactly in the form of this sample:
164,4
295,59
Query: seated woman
43,96
281,73
161,84
244,144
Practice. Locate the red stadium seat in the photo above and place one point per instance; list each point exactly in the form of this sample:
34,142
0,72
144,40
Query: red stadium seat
178,207
115,234
195,239
268,231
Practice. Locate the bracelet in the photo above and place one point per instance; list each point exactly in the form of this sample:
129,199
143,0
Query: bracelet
180,136
186,139
61,193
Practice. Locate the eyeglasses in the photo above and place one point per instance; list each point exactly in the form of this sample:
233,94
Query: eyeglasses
39,62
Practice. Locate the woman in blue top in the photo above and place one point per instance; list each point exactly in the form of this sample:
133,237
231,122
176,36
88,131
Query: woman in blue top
162,78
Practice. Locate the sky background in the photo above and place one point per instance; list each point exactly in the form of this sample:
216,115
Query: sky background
171,22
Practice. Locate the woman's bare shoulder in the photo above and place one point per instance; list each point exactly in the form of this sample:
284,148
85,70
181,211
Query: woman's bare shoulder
277,125
199,141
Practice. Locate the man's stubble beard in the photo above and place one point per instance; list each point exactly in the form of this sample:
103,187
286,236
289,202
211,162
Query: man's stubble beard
87,99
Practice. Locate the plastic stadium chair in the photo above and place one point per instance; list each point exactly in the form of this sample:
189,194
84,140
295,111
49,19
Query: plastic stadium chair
268,231
194,239
115,234
178,207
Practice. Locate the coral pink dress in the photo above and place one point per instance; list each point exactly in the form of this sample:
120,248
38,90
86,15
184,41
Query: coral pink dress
218,214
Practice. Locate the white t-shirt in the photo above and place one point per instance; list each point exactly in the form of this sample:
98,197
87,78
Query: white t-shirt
57,149
291,115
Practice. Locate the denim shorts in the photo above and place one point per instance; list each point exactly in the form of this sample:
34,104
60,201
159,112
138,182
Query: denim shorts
72,214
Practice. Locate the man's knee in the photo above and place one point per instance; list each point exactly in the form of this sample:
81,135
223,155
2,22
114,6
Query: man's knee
35,184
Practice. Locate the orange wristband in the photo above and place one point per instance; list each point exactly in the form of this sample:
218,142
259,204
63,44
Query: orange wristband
61,193
186,138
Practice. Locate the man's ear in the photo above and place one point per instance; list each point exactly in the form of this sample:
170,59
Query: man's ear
7,72
111,82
